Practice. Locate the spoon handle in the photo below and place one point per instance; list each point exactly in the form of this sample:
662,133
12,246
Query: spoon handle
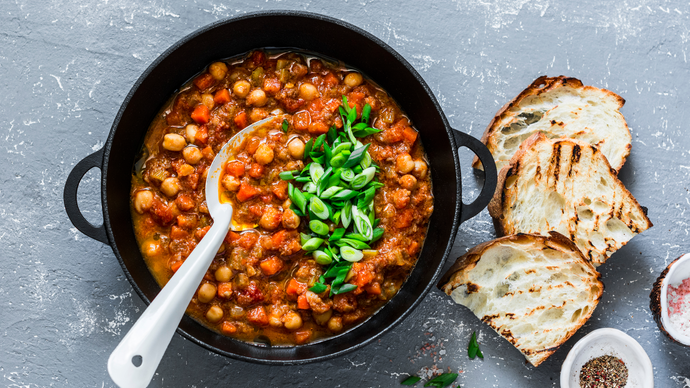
147,340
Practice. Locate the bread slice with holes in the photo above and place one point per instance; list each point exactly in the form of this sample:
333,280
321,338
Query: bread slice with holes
566,186
560,107
534,290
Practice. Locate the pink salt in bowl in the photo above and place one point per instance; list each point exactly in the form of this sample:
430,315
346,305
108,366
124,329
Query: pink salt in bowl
673,275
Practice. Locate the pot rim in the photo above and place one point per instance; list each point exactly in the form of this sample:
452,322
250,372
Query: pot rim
665,320
299,14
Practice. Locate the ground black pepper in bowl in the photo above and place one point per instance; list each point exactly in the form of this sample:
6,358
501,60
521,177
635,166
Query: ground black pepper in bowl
604,372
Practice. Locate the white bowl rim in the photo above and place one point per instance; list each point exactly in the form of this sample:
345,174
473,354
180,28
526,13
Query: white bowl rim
665,320
607,332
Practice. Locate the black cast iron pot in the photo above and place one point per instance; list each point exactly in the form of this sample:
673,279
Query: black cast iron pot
283,29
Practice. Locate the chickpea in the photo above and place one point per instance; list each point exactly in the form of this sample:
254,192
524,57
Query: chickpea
335,324
296,148
143,201
241,88
190,132
214,314
218,70
207,99
173,142
322,319
257,98
290,219
185,170
206,293
223,274
192,155
275,321
258,114
419,168
170,186
353,79
264,154
270,219
151,248
408,181
308,91
404,163
231,183
292,320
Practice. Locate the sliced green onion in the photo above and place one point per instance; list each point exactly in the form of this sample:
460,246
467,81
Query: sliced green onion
315,172
318,288
342,147
356,156
335,217
347,175
363,178
351,254
338,160
303,179
308,147
323,182
377,234
362,223
332,134
318,143
297,198
322,257
344,194
327,153
353,243
319,208
285,125
318,227
346,216
296,210
357,236
309,188
365,112
366,161
347,287
312,244
330,192
337,234
364,132
366,197
287,175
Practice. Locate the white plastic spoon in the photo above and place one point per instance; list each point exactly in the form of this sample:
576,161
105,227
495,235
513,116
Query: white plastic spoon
135,360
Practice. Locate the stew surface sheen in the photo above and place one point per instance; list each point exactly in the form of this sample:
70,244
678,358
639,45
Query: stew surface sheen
257,286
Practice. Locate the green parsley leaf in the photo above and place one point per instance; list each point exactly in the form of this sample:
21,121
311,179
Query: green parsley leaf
285,125
412,380
442,380
473,348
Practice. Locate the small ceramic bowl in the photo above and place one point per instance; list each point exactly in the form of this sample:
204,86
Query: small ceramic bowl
678,270
612,342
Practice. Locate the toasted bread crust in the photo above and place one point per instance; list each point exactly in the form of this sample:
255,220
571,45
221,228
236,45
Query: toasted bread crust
540,86
457,275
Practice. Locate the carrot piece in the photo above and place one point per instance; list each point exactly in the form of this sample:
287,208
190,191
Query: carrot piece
374,288
271,266
231,237
177,233
204,81
258,316
222,96
201,135
302,336
410,135
184,202
208,153
295,288
404,219
246,192
201,114
363,274
228,328
279,238
224,290
301,120
241,119
187,221
318,128
176,265
199,234
330,80
247,240
280,190
302,303
413,248
235,168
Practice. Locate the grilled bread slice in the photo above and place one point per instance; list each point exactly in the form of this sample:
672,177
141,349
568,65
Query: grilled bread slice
566,186
534,290
560,107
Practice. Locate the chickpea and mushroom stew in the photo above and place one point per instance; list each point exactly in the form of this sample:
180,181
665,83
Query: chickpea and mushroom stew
336,196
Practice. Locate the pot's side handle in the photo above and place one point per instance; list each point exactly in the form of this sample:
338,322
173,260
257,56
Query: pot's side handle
490,176
70,197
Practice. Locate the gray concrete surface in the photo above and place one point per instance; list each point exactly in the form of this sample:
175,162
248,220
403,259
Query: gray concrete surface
66,66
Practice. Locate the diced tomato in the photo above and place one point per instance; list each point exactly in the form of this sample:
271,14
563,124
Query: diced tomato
187,221
224,290
302,302
266,198
201,135
258,316
247,240
293,104
271,85
256,170
222,96
332,105
363,274
280,190
231,237
296,288
302,336
184,202
162,210
409,134
330,80
301,120
241,119
246,192
271,266
356,100
374,288
249,295
208,153
191,181
199,234
256,210
235,168
228,328
318,128
177,233
258,57
176,265
279,238
413,248
204,81
404,218
201,114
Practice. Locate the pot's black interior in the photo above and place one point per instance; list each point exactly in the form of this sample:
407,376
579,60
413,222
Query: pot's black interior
313,33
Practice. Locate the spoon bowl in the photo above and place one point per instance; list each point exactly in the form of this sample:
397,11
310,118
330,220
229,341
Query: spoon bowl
134,361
